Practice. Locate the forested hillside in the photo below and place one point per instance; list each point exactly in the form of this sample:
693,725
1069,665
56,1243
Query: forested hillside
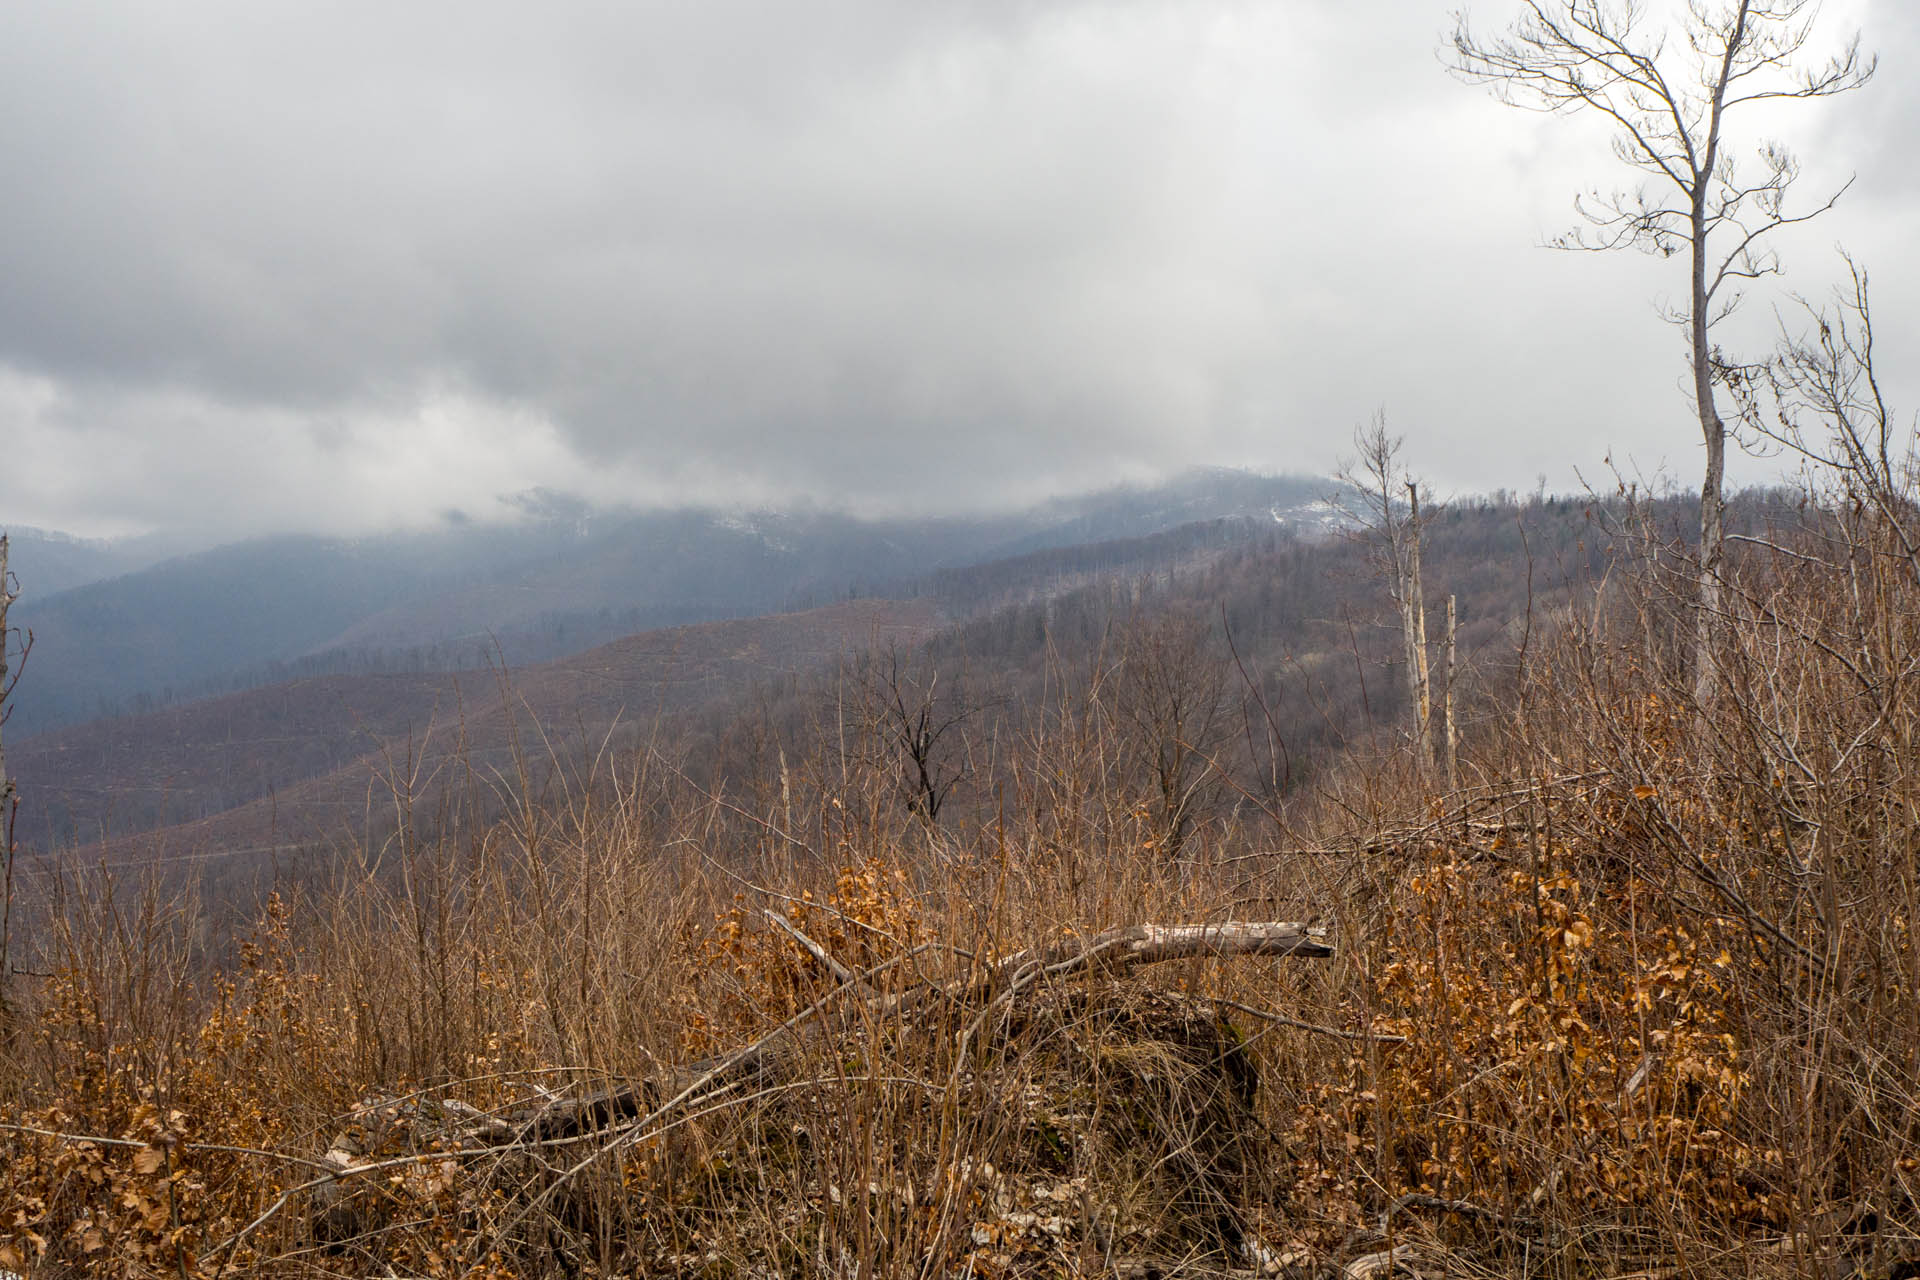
557,582
682,720
289,764
1124,923
306,764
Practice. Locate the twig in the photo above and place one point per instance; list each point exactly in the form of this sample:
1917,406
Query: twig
100,1141
717,799
1376,1037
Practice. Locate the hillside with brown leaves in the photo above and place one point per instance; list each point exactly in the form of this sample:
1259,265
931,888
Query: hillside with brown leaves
1638,997
293,764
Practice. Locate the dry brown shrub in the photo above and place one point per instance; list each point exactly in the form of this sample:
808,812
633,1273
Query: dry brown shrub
1643,993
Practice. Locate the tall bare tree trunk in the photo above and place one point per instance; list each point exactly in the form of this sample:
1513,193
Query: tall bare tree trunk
1713,431
1706,679
1668,100
1448,741
1413,624
1374,478
6,812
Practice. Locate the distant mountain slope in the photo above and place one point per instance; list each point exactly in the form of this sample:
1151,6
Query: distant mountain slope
180,625
1202,494
661,569
668,568
1044,574
190,762
296,761
248,613
55,562
317,760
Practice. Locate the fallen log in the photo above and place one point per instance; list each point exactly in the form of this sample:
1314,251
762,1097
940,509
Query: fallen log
1112,952
1137,944
571,1117
1131,946
628,1112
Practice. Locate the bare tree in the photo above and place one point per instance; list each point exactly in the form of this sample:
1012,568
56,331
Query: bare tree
1668,101
1449,738
8,804
1375,480
1169,700
1826,403
7,597
920,722
1820,399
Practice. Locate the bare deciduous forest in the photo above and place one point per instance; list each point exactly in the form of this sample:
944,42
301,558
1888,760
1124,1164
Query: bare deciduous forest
1221,911
921,973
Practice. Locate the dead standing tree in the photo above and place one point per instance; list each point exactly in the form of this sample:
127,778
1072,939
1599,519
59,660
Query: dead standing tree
1169,703
1668,106
1376,479
1820,399
8,804
919,724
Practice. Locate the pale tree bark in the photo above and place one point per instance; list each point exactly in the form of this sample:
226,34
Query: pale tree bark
1713,431
1413,610
1449,743
1668,100
1375,478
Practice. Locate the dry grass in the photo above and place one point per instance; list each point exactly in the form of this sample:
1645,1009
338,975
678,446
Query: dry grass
1641,997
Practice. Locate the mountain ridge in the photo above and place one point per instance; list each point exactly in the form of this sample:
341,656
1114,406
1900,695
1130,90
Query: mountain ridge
567,579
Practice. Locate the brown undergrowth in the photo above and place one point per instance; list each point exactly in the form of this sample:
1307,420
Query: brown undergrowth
1638,998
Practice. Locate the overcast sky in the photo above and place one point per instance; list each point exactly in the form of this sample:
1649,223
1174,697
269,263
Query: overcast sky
343,265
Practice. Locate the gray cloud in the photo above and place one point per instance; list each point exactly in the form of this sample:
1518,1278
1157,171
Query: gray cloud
270,264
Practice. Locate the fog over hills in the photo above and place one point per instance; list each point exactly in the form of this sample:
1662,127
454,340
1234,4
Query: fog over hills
317,759
56,562
120,633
